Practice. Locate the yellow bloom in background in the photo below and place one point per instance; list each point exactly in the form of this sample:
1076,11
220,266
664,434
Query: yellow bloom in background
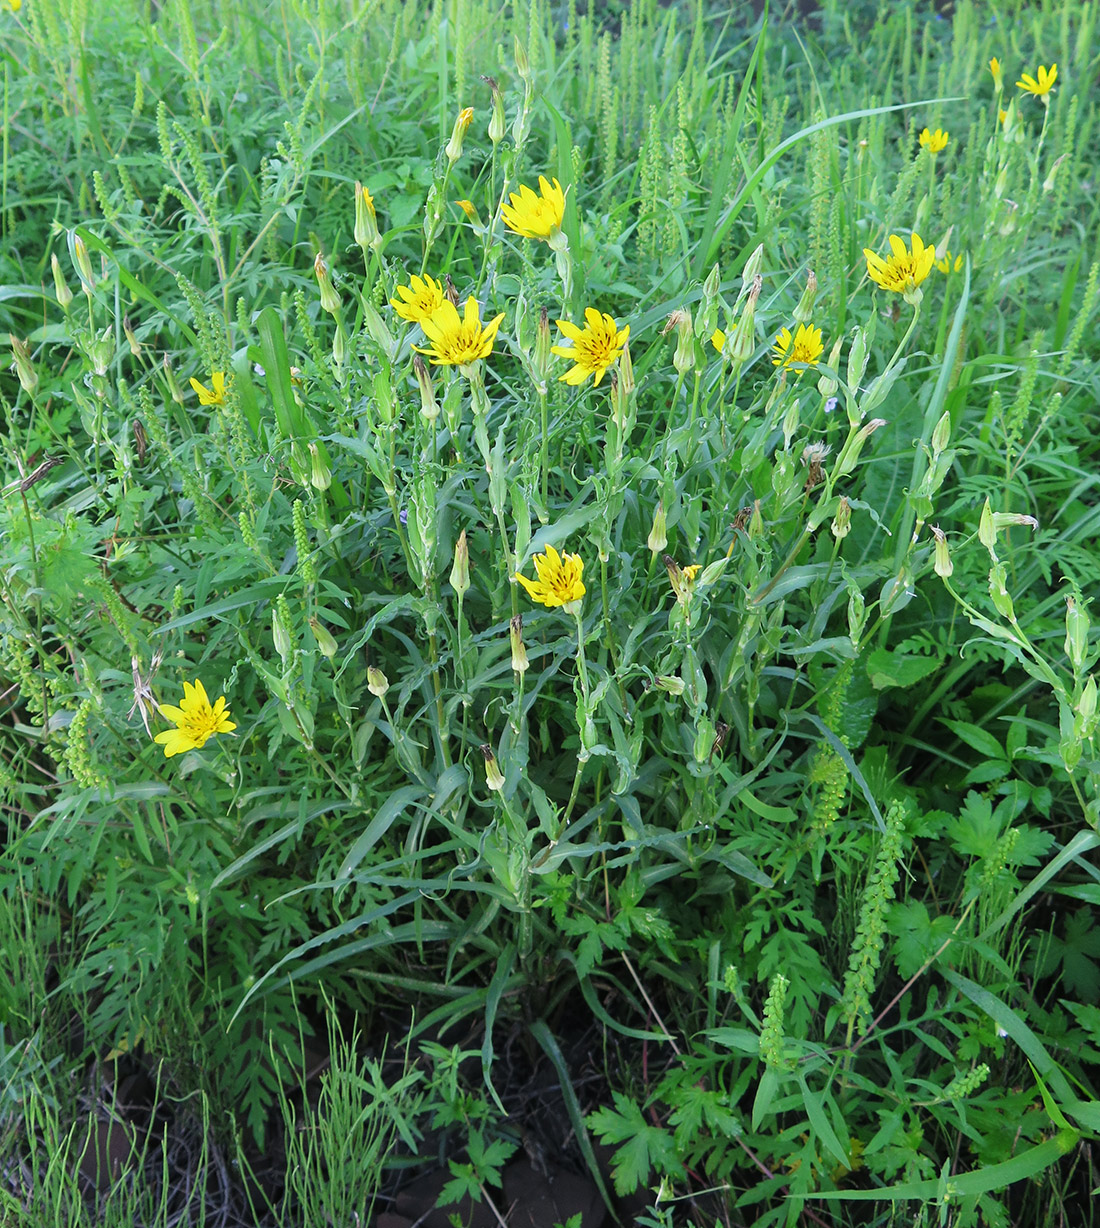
214,395
559,578
995,69
419,300
805,346
458,342
1001,116
718,340
533,216
595,347
1041,88
933,141
904,269
195,721
949,263
14,5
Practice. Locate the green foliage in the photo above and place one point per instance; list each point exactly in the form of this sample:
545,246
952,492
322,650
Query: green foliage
797,806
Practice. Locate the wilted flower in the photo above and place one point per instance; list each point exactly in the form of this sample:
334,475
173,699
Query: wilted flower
214,395
594,348
419,300
195,721
1040,88
805,346
903,270
559,579
470,209
535,217
455,341
933,141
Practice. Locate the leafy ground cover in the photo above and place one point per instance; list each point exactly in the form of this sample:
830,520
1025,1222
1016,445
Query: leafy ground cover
549,549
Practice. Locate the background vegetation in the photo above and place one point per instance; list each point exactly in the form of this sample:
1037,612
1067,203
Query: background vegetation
801,846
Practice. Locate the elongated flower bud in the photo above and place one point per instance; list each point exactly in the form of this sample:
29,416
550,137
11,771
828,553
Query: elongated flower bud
330,300
24,368
743,341
429,406
494,778
751,272
131,339
658,539
79,251
805,309
462,122
496,120
324,637
377,682
942,564
1077,632
842,521
174,389
684,358
320,475
519,654
460,571
60,288
366,220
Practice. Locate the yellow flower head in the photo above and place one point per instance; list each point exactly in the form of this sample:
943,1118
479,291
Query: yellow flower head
949,263
995,69
805,346
1042,87
904,269
595,347
419,300
14,5
1001,116
195,721
469,208
458,342
214,395
559,581
718,340
535,217
933,141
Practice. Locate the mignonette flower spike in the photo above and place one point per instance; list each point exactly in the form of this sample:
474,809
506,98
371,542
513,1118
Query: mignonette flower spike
195,720
419,300
458,342
1040,88
559,579
535,217
214,395
805,346
594,348
904,269
933,141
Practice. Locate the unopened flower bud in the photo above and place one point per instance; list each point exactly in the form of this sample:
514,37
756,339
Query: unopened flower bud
60,287
626,371
842,521
429,406
519,654
462,122
998,78
684,358
670,683
519,54
377,682
366,220
751,272
376,328
24,368
330,300
326,644
804,311
494,778
496,120
470,209
131,339
280,633
941,436
658,539
756,522
1086,705
320,474
460,571
175,391
827,385
987,533
1077,632
743,341
942,564
78,250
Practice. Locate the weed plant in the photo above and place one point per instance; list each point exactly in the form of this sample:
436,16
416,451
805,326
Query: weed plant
508,523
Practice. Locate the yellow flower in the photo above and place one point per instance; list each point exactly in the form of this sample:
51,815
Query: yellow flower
463,120
933,141
469,208
949,264
214,395
419,300
195,721
1041,88
718,340
805,346
459,342
535,217
904,270
595,347
995,69
14,5
1001,116
559,581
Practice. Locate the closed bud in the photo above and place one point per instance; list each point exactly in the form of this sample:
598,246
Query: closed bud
326,644
131,340
60,287
756,522
827,385
366,220
429,406
857,358
626,371
941,436
1005,520
460,571
496,120
330,300
462,122
857,615
377,682
998,592
743,341
494,777
78,250
751,272
175,391
803,312
1077,632
1048,182
987,533
942,565
842,521
670,683
519,53
280,633
1086,705
790,423
850,453
515,636
376,328
684,358
320,475
24,368
658,540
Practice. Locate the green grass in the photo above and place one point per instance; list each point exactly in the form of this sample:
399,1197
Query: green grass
807,837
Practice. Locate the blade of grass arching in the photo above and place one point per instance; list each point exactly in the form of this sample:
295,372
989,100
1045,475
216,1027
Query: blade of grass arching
932,413
500,982
734,209
725,162
550,1047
